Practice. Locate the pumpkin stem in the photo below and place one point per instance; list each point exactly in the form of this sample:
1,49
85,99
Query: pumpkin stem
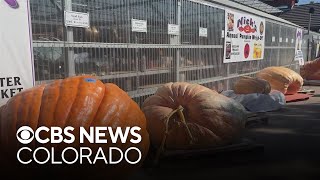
163,142
167,119
181,115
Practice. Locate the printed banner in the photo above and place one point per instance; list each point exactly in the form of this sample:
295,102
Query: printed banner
16,69
244,37
298,47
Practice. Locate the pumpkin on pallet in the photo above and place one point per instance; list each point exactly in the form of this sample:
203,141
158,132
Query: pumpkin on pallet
190,116
249,85
282,79
311,70
315,76
80,101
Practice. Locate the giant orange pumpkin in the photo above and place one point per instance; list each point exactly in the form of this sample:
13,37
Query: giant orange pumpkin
282,79
248,85
185,116
78,102
311,70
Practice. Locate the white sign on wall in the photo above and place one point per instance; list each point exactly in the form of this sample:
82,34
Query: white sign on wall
139,25
173,29
76,19
298,47
203,32
16,69
318,50
244,37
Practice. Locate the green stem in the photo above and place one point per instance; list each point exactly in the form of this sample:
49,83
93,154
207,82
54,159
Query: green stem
167,119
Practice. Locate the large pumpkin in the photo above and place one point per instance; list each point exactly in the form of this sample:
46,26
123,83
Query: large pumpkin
192,116
77,102
249,85
314,76
282,79
311,70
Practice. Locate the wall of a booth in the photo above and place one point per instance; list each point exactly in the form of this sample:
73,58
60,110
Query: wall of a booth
140,62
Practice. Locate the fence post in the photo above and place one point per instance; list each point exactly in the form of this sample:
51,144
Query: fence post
69,36
178,42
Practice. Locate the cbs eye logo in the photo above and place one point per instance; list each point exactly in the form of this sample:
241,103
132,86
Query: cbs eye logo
25,135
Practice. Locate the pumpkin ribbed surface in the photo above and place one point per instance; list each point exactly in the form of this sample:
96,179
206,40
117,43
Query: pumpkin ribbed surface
212,119
311,70
282,79
78,102
248,85
315,76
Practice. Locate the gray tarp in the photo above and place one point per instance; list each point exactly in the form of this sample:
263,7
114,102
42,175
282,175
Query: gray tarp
258,102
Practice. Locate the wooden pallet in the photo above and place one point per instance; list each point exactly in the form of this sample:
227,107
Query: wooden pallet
236,149
311,82
242,145
307,91
255,119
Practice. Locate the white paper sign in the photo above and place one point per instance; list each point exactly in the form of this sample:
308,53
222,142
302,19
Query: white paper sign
139,25
298,47
273,38
318,50
244,37
173,29
16,62
299,57
203,32
301,62
280,39
76,19
287,40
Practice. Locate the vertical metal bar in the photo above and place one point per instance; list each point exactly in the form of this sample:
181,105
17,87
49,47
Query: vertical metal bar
178,41
308,47
69,36
278,43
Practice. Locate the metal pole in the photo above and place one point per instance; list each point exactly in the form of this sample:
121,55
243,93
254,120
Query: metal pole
70,56
309,27
178,41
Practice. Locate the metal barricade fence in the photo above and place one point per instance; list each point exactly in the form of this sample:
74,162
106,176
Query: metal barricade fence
140,62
